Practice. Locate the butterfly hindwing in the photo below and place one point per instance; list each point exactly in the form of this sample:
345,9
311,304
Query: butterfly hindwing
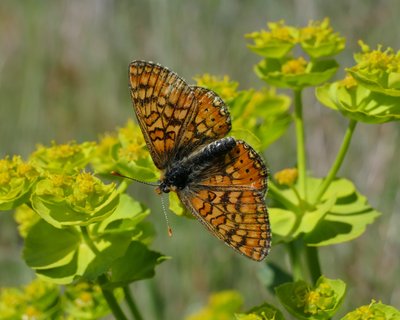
229,200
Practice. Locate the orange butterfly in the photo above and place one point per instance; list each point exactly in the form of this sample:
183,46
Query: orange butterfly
221,180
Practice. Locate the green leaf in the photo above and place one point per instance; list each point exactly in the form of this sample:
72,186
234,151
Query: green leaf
127,215
317,72
259,117
375,310
262,312
305,302
341,215
346,220
111,247
50,247
288,225
137,263
359,103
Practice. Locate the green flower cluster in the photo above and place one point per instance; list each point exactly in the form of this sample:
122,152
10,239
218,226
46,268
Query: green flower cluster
281,68
371,91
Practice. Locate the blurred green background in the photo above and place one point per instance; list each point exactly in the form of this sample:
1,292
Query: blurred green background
63,76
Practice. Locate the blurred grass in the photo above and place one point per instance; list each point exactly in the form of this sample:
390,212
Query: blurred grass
63,76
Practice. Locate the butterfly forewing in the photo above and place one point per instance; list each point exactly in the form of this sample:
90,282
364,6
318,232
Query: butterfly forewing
164,105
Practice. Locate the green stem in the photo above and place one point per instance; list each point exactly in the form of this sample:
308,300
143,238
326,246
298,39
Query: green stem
301,149
88,240
111,300
313,263
132,305
338,161
276,194
295,249
102,280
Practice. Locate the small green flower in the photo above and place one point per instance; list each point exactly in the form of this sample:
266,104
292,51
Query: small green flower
286,177
16,179
25,217
319,40
11,301
37,300
73,200
295,73
68,157
224,86
357,102
373,311
319,302
221,305
275,43
378,70
84,300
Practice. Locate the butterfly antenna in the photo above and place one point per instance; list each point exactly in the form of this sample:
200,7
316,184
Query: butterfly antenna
117,174
165,214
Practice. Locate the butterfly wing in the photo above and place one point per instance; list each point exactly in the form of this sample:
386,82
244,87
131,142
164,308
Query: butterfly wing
164,104
229,201
174,117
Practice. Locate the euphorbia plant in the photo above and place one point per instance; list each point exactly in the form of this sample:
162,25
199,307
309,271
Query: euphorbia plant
82,230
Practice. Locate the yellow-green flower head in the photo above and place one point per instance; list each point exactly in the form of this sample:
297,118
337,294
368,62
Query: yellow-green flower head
80,199
36,301
313,301
223,86
39,288
286,177
133,145
294,66
378,70
85,298
378,60
25,218
348,82
318,39
373,311
11,300
275,42
355,101
67,157
16,180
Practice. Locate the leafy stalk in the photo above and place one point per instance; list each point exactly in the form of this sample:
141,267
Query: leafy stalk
338,161
102,280
313,263
111,300
131,304
295,248
301,149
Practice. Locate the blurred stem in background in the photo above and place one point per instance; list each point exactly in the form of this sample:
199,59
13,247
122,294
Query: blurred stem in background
301,150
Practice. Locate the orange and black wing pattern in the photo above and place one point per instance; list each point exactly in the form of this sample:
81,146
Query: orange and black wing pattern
229,201
174,117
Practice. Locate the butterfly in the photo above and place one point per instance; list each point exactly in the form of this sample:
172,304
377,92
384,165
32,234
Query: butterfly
220,180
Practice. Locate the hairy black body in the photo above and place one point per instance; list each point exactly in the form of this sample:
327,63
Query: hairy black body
189,169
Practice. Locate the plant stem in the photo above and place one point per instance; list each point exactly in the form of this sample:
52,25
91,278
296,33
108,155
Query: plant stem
111,300
276,194
88,240
301,149
295,248
132,305
313,263
338,161
102,280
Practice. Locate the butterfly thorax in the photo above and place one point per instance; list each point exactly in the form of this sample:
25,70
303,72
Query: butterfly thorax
182,173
